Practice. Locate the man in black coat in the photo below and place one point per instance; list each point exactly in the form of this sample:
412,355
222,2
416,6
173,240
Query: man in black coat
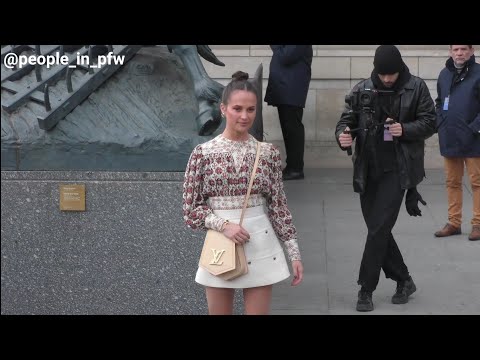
390,115
288,83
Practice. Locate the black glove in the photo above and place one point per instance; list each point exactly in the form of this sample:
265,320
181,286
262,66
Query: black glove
411,202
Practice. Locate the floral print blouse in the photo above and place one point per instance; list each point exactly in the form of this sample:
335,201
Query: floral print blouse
217,177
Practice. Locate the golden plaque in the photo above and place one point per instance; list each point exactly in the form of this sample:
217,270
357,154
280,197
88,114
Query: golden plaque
72,197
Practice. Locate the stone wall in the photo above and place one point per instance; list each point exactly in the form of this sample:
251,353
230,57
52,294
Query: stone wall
129,252
335,69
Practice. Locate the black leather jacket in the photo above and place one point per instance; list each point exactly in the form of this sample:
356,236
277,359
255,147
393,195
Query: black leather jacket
416,112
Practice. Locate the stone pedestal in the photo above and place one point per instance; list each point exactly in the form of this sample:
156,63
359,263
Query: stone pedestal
129,252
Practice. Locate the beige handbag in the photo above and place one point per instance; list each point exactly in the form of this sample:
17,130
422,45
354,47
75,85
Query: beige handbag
220,255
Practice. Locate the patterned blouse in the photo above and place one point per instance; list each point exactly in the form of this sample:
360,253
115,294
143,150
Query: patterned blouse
217,177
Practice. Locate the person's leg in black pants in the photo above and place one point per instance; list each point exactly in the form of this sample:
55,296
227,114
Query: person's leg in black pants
393,266
294,136
381,204
282,115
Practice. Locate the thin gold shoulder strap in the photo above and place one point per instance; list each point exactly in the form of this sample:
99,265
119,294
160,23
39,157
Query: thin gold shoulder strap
252,177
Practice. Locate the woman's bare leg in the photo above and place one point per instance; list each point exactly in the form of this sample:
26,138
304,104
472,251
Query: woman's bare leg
258,300
220,301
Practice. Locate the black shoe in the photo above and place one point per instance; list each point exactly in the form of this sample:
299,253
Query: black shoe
364,302
404,290
292,175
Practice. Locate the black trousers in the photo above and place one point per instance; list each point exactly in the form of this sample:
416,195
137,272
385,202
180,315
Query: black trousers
381,204
293,135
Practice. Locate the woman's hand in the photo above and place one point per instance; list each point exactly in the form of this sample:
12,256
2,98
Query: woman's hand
236,233
297,272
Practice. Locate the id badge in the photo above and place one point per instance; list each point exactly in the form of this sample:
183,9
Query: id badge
387,135
445,104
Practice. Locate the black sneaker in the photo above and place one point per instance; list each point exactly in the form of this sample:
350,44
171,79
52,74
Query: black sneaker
364,302
404,290
293,175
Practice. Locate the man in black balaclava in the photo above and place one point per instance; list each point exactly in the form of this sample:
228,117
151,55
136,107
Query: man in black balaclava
389,159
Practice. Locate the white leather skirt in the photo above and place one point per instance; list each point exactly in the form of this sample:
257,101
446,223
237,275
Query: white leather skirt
265,256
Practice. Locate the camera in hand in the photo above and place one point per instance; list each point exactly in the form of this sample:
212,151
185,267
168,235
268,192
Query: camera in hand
364,100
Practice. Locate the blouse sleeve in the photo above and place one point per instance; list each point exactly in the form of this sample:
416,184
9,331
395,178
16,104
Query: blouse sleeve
278,212
196,212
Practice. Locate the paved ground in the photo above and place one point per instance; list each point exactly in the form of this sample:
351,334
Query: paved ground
332,234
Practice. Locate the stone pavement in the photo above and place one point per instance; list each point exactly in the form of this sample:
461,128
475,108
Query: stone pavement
332,234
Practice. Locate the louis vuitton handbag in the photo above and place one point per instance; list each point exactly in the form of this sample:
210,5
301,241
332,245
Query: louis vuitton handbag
221,256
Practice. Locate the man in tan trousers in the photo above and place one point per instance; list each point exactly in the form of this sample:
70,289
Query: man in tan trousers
458,126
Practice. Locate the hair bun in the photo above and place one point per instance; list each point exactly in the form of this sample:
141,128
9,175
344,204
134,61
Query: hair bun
240,76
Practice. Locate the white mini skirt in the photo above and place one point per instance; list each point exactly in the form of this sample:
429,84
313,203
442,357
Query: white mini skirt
265,256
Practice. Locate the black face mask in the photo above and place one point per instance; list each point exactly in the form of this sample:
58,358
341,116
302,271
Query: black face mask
384,106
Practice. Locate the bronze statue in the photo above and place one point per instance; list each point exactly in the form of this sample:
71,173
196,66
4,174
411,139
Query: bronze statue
207,91
146,111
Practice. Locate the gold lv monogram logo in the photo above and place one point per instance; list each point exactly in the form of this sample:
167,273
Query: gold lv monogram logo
217,254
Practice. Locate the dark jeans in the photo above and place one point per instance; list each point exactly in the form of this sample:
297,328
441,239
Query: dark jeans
293,135
381,204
